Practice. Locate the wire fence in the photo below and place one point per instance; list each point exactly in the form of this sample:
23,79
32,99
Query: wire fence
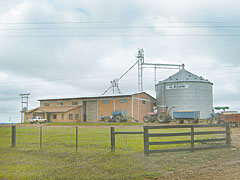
67,138
81,139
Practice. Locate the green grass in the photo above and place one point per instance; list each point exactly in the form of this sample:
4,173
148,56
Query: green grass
95,124
58,158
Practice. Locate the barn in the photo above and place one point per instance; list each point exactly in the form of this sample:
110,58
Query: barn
90,109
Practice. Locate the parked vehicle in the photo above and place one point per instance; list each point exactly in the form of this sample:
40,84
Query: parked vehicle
160,115
215,117
232,117
37,119
190,116
117,116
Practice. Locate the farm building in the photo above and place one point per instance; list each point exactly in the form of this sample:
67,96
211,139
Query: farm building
90,109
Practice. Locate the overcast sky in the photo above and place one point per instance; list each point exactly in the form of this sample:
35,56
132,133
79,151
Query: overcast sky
57,48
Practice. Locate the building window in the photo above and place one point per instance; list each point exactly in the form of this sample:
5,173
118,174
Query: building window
74,103
77,116
46,104
105,101
143,102
60,103
54,116
62,116
70,116
123,101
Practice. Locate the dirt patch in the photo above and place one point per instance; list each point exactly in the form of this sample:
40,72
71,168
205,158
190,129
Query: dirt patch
223,167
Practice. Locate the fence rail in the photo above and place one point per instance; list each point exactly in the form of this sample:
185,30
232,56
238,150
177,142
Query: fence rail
188,137
113,133
192,134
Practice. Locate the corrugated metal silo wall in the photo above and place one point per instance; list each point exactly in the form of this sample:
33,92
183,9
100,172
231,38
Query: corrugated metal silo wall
186,96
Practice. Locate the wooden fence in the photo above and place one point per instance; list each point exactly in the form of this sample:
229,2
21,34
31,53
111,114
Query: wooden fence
226,141
147,143
113,133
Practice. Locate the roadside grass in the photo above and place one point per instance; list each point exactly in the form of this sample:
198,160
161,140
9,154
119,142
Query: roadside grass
58,158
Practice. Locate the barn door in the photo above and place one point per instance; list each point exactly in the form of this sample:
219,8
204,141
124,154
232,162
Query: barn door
91,111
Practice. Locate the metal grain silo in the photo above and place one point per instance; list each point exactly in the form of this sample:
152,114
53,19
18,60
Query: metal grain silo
186,91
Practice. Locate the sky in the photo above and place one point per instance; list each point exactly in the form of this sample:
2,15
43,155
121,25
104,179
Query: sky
56,48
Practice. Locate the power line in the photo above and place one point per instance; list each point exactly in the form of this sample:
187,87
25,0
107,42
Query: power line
102,22
121,35
107,76
112,27
84,83
220,67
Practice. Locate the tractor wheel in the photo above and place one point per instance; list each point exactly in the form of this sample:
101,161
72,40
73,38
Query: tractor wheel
161,118
118,118
209,121
216,119
168,118
146,119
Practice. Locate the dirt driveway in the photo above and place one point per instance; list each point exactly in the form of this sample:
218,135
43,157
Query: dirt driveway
225,166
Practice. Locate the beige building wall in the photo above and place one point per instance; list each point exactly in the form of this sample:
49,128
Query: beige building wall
63,101
136,106
105,109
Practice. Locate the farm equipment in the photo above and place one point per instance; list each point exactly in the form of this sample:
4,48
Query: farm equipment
215,118
161,115
117,116
224,116
190,116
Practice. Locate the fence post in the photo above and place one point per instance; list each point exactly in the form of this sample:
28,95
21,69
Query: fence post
228,135
13,136
76,139
192,139
112,139
41,137
146,140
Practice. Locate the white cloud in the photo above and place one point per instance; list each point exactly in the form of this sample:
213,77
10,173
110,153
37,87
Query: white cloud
83,66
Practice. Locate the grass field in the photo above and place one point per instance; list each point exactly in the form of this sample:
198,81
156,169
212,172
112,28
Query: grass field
58,158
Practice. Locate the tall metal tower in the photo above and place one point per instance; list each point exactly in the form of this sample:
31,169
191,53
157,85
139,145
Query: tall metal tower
140,60
155,66
141,66
24,105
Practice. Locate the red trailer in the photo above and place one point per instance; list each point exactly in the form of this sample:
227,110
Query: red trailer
233,118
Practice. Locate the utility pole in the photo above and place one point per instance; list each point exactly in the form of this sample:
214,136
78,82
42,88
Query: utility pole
24,105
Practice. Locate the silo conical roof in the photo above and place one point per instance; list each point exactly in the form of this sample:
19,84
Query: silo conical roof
185,76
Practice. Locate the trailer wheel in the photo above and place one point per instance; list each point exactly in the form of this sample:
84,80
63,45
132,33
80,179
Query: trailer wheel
195,121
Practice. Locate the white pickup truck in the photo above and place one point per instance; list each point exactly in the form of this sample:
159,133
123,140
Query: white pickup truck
37,119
